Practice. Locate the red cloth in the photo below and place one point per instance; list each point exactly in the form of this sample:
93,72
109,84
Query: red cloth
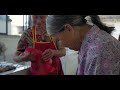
38,67
55,60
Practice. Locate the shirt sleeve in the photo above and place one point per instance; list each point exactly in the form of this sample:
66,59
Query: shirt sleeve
23,42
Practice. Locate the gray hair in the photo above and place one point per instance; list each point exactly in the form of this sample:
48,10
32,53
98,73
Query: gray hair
55,23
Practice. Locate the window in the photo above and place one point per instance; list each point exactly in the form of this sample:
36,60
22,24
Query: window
3,24
11,28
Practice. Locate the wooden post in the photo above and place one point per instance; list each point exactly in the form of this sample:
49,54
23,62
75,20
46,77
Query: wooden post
6,24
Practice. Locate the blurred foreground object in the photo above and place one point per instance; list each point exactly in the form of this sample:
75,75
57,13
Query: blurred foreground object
6,67
2,48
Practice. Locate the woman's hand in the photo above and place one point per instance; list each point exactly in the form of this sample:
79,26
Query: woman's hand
24,56
48,54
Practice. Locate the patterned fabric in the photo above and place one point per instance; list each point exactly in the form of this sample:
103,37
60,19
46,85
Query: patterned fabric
26,40
99,54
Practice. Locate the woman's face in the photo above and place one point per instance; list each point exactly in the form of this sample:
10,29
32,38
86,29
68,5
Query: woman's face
41,22
66,37
34,19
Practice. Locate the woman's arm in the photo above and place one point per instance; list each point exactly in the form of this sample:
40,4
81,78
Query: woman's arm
61,51
21,56
16,57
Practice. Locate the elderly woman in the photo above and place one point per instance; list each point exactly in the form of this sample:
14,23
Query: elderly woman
36,37
99,52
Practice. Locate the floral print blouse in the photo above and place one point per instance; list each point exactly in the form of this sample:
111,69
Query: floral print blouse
99,54
26,40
